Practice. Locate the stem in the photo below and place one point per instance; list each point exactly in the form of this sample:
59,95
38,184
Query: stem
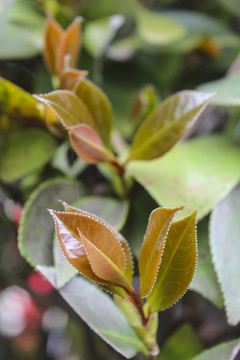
120,171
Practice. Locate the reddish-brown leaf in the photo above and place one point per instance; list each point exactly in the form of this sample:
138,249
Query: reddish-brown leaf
153,245
88,145
70,78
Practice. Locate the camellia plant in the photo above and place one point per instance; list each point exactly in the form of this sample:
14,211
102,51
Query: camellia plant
167,263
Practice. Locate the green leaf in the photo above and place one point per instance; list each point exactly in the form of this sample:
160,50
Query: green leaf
228,89
98,105
27,151
167,124
178,265
231,5
205,281
99,33
225,248
223,351
155,28
99,312
36,228
88,145
21,30
197,173
68,107
153,245
182,345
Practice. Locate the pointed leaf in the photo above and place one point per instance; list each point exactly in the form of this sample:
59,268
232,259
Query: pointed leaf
225,248
220,352
69,47
36,228
70,78
167,124
205,280
99,107
153,245
52,39
178,265
68,107
99,206
197,173
88,145
26,152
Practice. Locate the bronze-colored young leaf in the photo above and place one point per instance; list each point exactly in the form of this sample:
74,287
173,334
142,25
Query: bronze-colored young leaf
153,245
98,105
68,107
70,78
120,238
178,265
52,40
88,145
167,124
69,46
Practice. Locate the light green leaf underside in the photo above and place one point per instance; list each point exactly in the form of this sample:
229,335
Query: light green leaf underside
100,312
225,248
167,124
36,226
26,151
220,352
197,173
228,89
182,345
205,280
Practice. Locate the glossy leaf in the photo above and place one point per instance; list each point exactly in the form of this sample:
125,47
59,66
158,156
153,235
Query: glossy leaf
167,124
197,173
182,345
223,351
26,151
88,145
99,107
225,247
52,39
178,265
112,211
205,280
80,235
36,230
228,89
68,107
153,245
155,28
100,313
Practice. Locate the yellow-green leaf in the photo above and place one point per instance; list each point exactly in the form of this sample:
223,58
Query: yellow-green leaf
98,105
68,107
153,245
167,124
88,145
178,265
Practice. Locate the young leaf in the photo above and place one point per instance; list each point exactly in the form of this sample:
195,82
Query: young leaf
225,248
98,105
68,107
85,206
88,145
70,78
178,265
69,47
167,124
153,245
197,173
52,39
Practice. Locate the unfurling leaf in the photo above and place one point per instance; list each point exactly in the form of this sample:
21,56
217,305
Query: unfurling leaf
61,48
88,145
98,105
92,248
178,265
68,107
70,78
153,245
167,124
